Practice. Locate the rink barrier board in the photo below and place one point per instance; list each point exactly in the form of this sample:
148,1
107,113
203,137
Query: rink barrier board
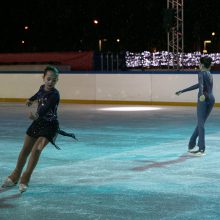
124,88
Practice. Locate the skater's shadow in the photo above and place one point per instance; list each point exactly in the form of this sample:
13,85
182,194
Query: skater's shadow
4,200
163,164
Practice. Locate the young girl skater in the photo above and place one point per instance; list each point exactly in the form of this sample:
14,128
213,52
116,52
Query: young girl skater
205,104
43,129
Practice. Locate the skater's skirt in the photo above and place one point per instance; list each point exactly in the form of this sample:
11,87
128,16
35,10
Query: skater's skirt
43,128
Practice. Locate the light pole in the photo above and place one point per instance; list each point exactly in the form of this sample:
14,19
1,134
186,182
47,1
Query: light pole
100,45
96,23
101,42
204,46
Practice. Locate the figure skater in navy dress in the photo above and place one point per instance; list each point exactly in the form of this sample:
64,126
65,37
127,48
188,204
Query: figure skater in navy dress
44,129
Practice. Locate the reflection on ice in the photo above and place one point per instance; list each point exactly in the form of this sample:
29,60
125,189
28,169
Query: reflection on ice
131,109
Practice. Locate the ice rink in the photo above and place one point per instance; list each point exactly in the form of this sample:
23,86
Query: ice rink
130,162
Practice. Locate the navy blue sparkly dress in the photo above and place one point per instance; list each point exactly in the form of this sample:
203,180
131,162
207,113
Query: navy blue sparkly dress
47,124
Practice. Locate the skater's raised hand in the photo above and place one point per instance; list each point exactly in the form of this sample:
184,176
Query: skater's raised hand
202,98
29,103
33,116
178,93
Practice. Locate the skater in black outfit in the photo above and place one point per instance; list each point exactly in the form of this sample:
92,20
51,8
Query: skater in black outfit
43,129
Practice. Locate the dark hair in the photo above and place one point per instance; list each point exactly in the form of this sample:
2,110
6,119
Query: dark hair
51,68
206,61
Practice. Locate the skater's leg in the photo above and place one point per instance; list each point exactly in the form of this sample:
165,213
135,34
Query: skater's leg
24,153
35,154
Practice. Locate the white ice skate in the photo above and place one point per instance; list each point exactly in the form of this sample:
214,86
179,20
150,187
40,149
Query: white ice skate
197,153
22,187
8,183
196,148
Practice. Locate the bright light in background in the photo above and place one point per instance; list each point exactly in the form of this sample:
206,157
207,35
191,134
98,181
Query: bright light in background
213,33
26,27
118,40
95,21
130,109
22,42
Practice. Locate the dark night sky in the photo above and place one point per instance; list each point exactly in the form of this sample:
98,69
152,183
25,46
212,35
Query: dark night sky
66,25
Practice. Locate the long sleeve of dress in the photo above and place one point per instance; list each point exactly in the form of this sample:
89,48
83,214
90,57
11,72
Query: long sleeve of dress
196,86
35,96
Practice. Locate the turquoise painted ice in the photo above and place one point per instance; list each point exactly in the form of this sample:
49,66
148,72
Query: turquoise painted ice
126,165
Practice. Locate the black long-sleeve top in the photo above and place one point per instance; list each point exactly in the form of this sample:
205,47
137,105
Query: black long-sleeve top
48,102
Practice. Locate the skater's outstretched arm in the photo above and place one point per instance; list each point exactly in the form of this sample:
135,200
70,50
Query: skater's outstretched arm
30,101
196,86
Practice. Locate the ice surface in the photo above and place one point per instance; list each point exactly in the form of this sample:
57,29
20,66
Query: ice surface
126,165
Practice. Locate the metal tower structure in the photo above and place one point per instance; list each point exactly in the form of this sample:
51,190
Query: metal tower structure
175,36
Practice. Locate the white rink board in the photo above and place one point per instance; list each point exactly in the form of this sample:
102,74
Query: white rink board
108,87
